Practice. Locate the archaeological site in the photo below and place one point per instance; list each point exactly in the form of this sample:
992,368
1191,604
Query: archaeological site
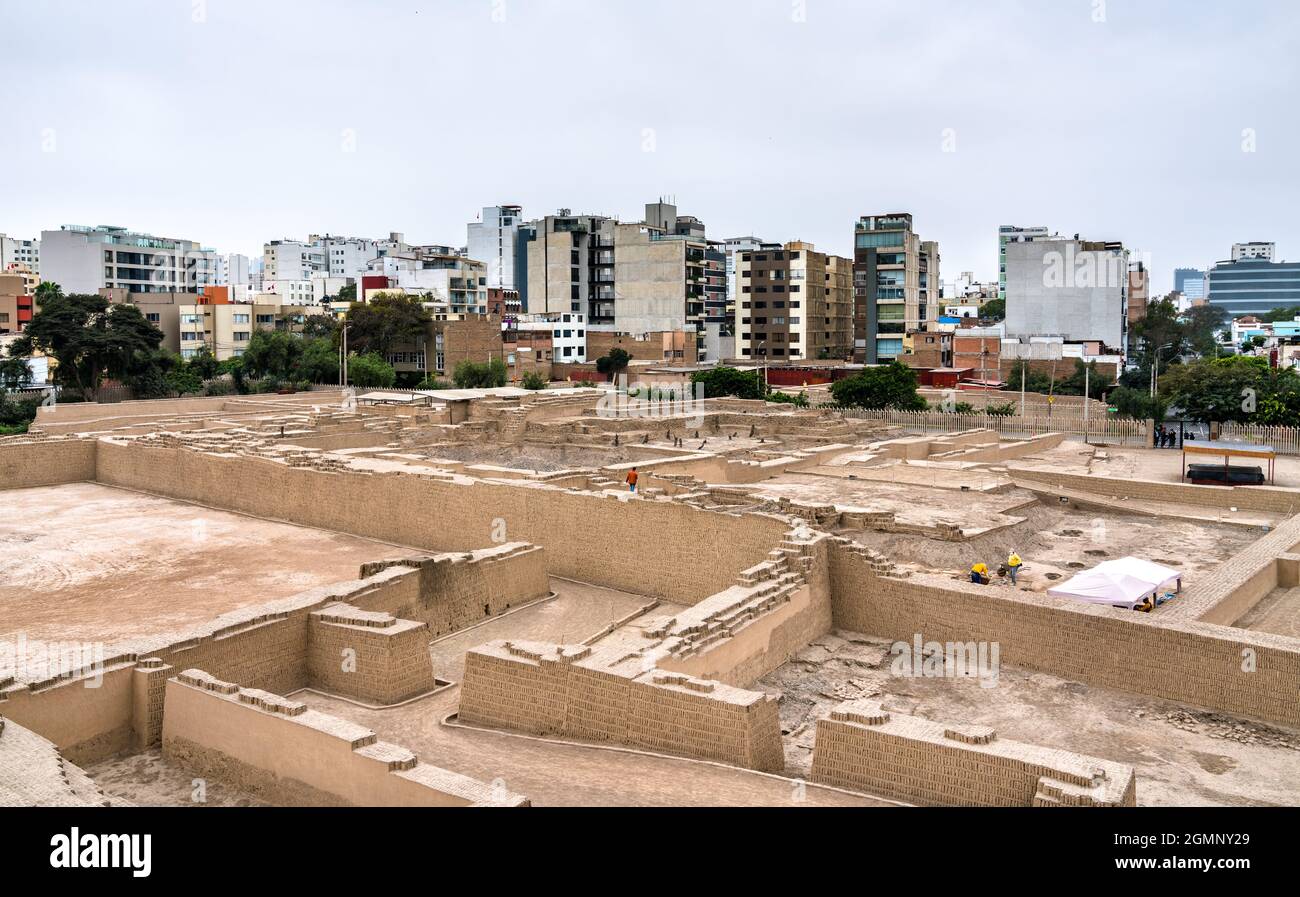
506,598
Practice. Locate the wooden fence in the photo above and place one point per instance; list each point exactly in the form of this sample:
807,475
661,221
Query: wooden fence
1105,430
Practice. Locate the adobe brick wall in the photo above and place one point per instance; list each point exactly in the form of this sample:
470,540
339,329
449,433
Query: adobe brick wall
664,549
1253,498
865,748
284,753
45,462
1194,662
593,694
462,588
367,655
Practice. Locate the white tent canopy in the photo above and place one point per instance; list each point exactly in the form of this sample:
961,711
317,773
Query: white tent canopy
1122,582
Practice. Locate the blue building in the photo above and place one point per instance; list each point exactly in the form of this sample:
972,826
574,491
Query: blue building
1190,282
1253,286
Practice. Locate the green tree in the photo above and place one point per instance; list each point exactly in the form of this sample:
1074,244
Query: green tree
533,380
890,385
204,363
14,372
1201,324
384,322
319,361
1223,389
347,293
799,401
370,370
614,363
320,326
1137,404
480,375
994,309
272,353
725,381
90,339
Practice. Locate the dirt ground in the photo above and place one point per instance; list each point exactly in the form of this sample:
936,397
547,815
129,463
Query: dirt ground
146,780
1277,612
1056,542
577,612
1145,464
92,563
1183,756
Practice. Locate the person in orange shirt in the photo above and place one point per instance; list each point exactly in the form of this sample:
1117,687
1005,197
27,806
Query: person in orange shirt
631,480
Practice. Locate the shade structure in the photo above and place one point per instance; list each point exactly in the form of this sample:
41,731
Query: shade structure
1122,582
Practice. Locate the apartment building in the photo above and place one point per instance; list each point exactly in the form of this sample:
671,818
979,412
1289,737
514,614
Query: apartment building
563,334
87,259
17,304
190,322
896,285
448,342
17,251
494,240
1139,292
1064,287
794,303
659,274
451,285
1253,250
1010,233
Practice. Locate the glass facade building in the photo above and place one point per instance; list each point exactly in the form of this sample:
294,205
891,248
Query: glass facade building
1253,286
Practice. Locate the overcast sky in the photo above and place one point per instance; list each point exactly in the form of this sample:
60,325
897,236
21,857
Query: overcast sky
1173,126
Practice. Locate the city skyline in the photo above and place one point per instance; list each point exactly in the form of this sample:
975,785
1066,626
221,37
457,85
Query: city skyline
1087,117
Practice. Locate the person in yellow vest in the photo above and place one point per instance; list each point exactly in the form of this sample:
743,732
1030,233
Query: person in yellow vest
979,573
1013,565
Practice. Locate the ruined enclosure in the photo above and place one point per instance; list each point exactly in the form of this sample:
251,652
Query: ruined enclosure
467,606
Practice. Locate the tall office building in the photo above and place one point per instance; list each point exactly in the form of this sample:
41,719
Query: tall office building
896,285
1190,282
1253,285
87,259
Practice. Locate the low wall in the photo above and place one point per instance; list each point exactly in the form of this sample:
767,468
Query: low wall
282,752
682,553
457,590
369,656
1248,673
1252,498
95,714
32,774
593,694
864,748
45,462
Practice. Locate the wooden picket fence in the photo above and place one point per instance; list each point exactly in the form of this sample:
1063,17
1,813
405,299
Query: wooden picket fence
1109,431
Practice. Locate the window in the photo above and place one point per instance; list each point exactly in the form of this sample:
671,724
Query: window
152,317
239,319
241,336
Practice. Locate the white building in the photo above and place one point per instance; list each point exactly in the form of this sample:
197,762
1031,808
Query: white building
568,333
1073,289
493,241
87,259
16,251
1253,250
455,285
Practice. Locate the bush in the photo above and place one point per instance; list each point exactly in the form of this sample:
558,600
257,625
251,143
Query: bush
723,381
1005,410
219,388
370,371
799,401
891,385
476,375
533,380
433,383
